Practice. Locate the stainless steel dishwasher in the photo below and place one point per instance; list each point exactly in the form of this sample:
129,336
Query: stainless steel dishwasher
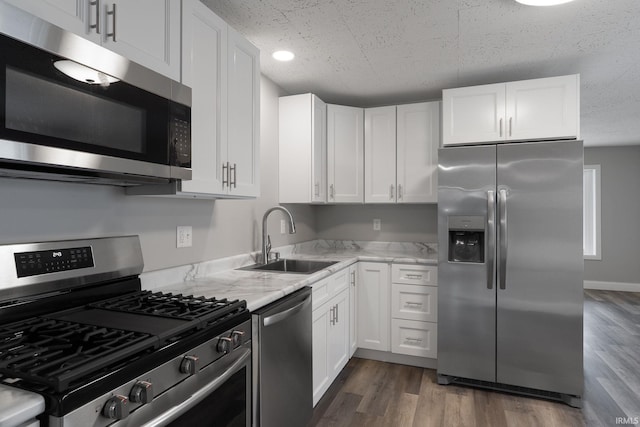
282,366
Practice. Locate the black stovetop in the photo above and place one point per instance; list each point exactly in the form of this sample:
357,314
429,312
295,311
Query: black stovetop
74,355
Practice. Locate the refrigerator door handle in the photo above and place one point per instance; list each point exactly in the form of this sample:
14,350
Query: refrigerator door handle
502,238
491,243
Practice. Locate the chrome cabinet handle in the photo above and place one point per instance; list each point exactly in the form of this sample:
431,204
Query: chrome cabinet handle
332,319
225,174
317,189
399,191
491,243
234,168
95,3
112,12
391,192
510,126
331,191
502,212
353,278
414,276
500,127
337,314
413,304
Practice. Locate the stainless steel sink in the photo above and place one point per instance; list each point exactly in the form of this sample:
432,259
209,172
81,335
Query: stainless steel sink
300,266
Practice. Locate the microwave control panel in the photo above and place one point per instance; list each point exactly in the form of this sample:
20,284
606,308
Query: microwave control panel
180,134
52,261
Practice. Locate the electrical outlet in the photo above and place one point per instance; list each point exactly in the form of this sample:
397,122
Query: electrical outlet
376,224
283,226
184,236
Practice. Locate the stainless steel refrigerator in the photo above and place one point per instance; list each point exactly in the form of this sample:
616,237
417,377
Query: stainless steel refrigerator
510,269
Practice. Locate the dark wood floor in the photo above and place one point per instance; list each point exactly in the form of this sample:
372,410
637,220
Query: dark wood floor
369,393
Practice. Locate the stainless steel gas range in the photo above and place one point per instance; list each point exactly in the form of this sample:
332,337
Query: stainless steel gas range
76,328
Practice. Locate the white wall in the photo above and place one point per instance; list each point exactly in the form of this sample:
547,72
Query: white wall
33,211
399,223
620,182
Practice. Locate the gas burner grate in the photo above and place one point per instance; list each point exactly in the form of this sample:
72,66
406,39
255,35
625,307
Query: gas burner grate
172,306
57,352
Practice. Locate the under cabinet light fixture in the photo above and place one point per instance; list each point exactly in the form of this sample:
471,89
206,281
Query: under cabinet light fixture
543,2
83,73
283,55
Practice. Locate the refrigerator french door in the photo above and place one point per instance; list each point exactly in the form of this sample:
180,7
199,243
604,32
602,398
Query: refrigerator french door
510,297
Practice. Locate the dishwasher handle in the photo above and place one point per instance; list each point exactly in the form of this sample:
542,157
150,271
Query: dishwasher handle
283,315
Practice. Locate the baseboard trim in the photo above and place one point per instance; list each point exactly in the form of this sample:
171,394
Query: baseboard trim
612,286
401,359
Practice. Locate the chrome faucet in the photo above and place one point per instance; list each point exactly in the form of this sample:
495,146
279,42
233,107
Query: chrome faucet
266,240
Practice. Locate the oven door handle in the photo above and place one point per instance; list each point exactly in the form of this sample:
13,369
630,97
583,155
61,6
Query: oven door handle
199,395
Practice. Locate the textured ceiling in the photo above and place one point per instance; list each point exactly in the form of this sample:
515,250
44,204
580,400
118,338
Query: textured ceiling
380,52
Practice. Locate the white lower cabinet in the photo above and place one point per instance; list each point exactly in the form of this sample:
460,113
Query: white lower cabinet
353,330
373,306
330,330
414,305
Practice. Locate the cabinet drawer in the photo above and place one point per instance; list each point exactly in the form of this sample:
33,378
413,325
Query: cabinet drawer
414,338
338,282
414,302
413,274
320,293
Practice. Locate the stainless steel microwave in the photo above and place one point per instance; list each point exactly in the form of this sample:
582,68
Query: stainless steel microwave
72,110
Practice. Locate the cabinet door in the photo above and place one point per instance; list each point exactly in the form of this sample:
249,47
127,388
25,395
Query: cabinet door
319,150
353,331
417,152
145,31
373,306
204,47
243,102
543,108
345,144
338,339
77,16
473,114
380,155
320,334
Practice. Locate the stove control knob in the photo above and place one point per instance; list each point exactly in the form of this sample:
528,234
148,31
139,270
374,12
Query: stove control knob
141,392
189,365
224,345
236,338
116,408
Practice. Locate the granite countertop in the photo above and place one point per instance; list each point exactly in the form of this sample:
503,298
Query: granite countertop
260,288
18,406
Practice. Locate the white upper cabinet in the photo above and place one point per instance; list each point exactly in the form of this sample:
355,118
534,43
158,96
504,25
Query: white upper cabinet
401,153
345,144
145,31
243,116
418,140
302,149
380,155
547,108
204,40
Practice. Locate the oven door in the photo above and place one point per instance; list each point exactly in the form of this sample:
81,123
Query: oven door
219,395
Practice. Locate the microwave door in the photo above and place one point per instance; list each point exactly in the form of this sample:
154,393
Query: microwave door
466,264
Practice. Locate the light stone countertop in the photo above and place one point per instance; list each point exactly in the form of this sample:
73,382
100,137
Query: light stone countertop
18,406
260,288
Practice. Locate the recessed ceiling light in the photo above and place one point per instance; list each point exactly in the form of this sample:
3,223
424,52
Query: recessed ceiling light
543,2
283,55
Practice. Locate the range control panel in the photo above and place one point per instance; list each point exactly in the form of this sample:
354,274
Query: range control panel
43,262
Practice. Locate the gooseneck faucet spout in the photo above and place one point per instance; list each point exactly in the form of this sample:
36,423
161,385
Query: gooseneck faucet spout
266,240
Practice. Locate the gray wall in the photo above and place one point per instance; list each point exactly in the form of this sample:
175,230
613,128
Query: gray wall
40,210
620,181
402,223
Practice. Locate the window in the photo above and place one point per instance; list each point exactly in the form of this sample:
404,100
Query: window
591,212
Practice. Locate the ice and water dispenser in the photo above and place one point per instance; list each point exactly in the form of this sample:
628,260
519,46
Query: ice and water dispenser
466,239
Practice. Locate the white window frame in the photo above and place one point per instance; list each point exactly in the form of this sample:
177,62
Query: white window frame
592,214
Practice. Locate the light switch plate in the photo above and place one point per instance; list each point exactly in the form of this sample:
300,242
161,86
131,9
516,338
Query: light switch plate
184,236
376,224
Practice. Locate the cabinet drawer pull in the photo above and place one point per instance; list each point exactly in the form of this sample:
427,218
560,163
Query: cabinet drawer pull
413,304
112,12
409,340
414,276
97,15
